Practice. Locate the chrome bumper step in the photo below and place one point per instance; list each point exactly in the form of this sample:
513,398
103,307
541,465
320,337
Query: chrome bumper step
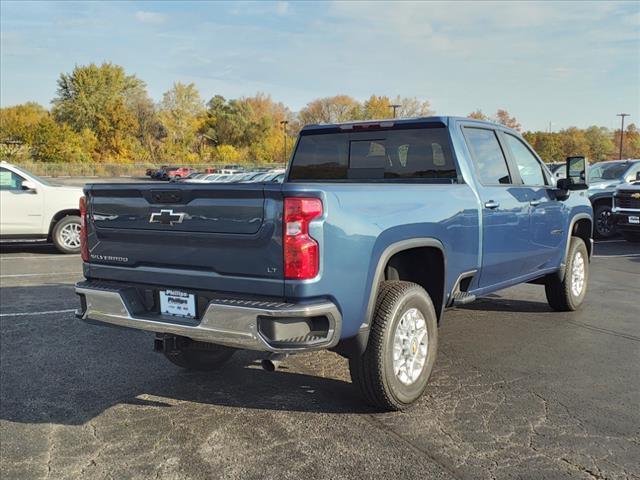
238,323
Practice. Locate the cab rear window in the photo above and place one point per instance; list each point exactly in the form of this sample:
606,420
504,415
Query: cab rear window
386,155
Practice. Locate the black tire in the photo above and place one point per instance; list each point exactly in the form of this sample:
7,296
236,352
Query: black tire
200,356
603,217
62,231
373,372
560,294
633,237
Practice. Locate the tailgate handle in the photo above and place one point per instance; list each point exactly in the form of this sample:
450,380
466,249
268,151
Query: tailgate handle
166,196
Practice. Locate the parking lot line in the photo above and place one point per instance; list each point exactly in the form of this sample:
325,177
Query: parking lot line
40,274
25,314
40,257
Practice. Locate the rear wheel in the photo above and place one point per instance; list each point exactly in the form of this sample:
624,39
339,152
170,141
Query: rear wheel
567,294
604,221
631,236
198,355
66,234
394,370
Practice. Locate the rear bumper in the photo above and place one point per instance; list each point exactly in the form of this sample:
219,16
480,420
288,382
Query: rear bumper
250,324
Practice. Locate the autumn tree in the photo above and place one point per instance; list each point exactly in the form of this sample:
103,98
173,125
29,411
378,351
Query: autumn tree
478,115
412,107
96,98
547,145
340,108
503,118
18,123
631,146
377,107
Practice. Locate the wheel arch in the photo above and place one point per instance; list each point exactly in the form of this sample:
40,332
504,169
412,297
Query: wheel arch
399,260
59,216
581,225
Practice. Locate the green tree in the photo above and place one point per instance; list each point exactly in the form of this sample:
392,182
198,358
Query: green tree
181,115
599,142
229,122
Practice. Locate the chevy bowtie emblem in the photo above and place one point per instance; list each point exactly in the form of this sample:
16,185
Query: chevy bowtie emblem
636,196
166,217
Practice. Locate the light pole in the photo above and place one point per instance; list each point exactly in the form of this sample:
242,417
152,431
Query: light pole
622,115
395,107
284,124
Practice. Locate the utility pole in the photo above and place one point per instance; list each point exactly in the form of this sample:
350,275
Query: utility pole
622,115
395,107
284,124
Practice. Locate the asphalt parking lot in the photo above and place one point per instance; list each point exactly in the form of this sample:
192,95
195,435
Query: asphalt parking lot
519,391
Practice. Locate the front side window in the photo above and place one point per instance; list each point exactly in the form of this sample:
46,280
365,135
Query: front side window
385,155
528,166
10,180
488,157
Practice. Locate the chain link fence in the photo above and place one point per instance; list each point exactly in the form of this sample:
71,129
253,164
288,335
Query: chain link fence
117,169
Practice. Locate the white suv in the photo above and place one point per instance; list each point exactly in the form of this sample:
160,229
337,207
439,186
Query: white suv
31,208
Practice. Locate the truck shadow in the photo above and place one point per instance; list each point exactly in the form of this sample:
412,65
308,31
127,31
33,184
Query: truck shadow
493,303
57,369
39,248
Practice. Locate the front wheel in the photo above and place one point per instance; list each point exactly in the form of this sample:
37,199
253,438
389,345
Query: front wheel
403,341
604,222
66,234
567,294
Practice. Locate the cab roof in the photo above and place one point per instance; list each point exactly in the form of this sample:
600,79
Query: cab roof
434,121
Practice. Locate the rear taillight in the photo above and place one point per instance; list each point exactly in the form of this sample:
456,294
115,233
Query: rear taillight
301,252
84,247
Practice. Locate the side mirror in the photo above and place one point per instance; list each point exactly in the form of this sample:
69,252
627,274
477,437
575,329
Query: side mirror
576,174
29,186
638,177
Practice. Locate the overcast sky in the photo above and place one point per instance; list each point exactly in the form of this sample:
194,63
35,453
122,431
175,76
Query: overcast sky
573,63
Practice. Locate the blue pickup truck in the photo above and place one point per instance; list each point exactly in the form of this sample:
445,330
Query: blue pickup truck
377,229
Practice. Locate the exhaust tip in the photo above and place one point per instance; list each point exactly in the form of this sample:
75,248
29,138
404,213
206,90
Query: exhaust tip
268,365
273,361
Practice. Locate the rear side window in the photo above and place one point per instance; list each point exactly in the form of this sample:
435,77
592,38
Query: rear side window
386,155
488,156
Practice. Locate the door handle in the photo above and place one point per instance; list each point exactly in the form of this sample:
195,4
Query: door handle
535,203
491,204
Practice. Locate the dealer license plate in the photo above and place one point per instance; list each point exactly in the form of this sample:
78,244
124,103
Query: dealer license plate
175,302
634,220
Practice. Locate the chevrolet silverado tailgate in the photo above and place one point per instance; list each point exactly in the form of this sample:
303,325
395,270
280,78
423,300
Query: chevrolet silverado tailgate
213,236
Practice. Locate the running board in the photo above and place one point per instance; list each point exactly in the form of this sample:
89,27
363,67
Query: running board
462,298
